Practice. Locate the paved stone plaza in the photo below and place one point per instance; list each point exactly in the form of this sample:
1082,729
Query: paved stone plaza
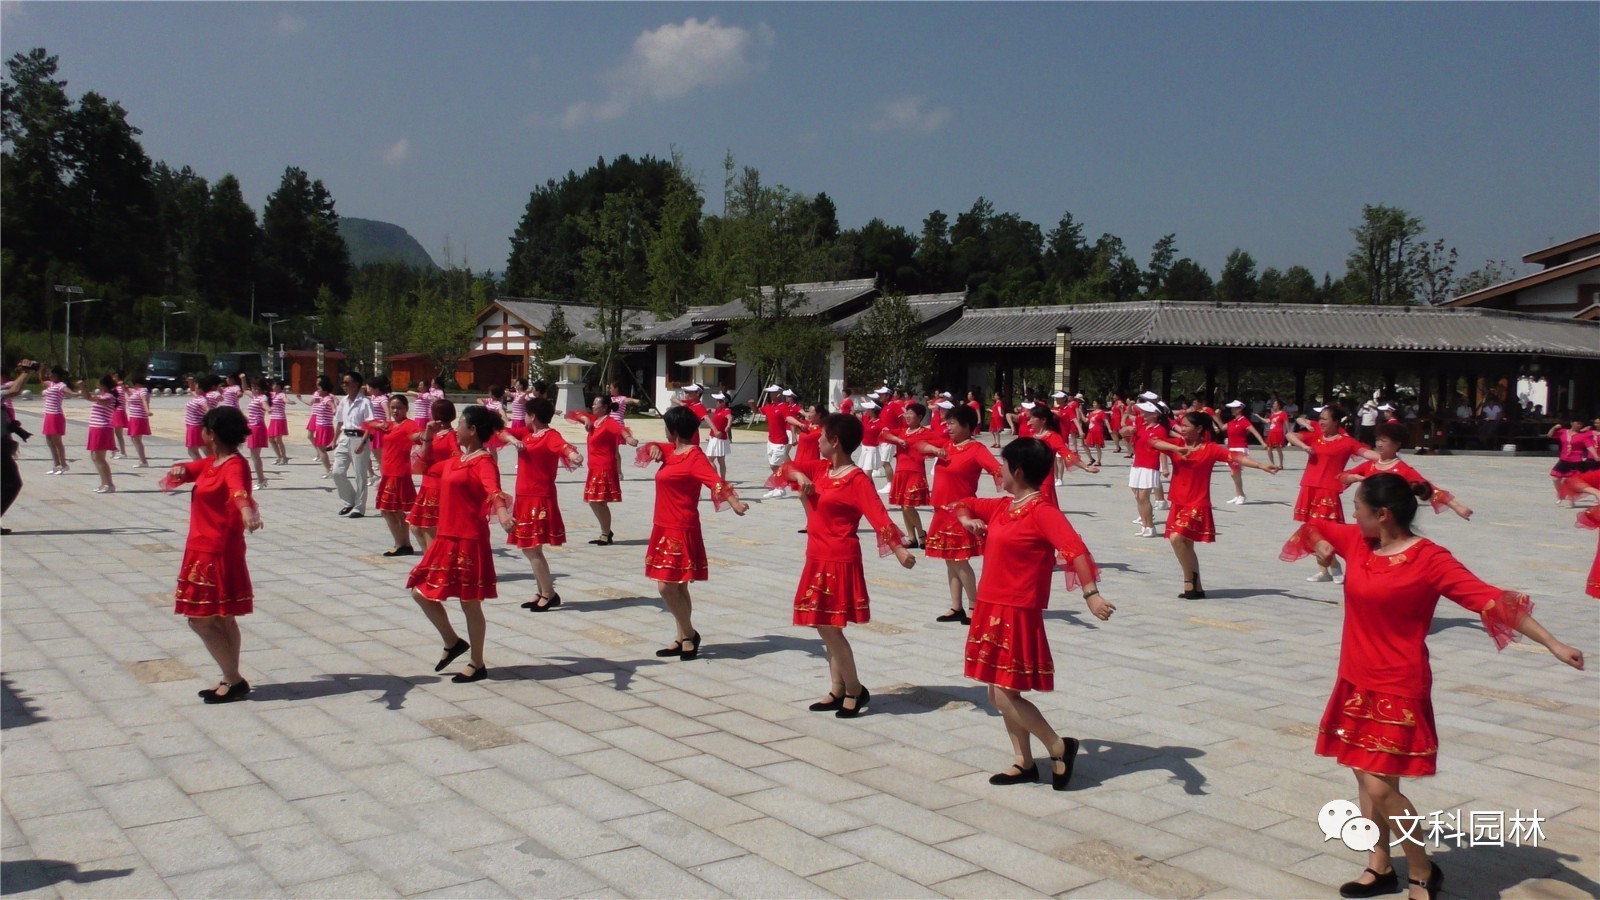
588,767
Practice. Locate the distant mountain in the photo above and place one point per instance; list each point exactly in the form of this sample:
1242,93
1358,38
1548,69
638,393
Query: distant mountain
371,241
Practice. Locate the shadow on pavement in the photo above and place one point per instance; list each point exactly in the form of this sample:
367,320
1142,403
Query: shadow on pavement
18,876
393,687
1102,761
15,710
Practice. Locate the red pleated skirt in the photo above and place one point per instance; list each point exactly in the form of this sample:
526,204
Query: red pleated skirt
1276,439
1095,438
833,593
214,583
119,418
277,428
322,436
1379,733
676,555
1193,521
138,427
1590,518
258,437
1007,647
101,437
603,485
910,485
948,540
55,424
455,567
536,521
425,508
1318,503
396,493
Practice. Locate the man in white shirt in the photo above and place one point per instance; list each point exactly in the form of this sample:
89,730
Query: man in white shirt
1369,421
352,451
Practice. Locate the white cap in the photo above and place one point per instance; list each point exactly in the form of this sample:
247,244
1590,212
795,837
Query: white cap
719,396
788,393
1028,404
1317,409
946,395
773,389
1235,404
1149,395
688,388
1077,396
866,404
945,404
885,390
1148,407
1059,394
1385,406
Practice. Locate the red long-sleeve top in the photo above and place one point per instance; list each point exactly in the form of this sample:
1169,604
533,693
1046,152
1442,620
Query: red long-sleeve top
678,483
215,521
538,455
395,458
1191,474
603,440
837,507
957,476
469,490
1326,463
1022,545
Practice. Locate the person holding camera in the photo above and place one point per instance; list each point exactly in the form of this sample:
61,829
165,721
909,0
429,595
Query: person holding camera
10,475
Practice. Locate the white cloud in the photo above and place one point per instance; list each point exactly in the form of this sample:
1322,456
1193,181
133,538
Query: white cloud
288,24
673,61
398,152
907,114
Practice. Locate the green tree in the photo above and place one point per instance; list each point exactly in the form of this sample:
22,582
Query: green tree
301,250
229,246
1237,283
1491,273
933,253
671,266
34,167
1298,286
1188,280
1433,272
1378,271
614,272
555,343
1161,258
442,323
889,344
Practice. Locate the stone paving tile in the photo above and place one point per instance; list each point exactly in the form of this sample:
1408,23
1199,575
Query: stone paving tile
1197,718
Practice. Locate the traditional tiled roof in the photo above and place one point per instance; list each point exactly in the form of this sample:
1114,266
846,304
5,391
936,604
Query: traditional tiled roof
536,314
1262,325
814,298
681,328
927,307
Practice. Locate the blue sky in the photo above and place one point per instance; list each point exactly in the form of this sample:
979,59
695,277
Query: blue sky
1262,126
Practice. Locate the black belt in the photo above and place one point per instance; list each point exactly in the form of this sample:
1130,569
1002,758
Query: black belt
353,432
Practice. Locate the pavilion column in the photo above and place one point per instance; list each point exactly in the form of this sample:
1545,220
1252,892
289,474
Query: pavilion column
1166,381
1327,384
1300,388
1233,381
1211,385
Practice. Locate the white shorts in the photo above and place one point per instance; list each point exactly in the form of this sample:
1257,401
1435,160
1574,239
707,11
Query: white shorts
1143,479
1243,450
777,454
867,459
717,447
887,453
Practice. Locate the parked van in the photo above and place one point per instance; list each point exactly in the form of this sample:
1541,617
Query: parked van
251,364
167,369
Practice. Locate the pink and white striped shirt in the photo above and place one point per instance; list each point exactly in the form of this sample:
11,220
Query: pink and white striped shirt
256,412
52,394
230,395
423,409
280,407
519,408
213,399
380,407
194,412
100,411
322,410
138,400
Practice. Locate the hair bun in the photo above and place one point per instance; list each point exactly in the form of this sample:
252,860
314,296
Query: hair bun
1423,490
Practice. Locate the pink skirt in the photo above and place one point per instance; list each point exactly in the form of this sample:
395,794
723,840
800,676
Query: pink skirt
55,424
322,435
257,439
102,437
138,427
277,428
119,418
192,438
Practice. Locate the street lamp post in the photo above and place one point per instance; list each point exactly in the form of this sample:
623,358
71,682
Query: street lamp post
69,291
167,307
270,362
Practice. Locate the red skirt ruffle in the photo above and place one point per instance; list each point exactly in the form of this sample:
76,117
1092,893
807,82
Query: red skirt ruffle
1318,503
396,493
425,508
138,427
604,485
1007,647
833,593
455,567
675,555
119,418
1379,733
214,584
536,522
910,485
1590,518
948,540
1193,521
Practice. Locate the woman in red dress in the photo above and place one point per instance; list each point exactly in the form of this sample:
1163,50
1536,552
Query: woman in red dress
1329,448
1190,518
603,486
1239,432
1587,483
436,441
1044,429
213,581
1277,432
997,421
1390,438
807,434
958,462
677,552
833,586
459,562
1007,647
396,491
1094,434
537,514
1379,719
909,489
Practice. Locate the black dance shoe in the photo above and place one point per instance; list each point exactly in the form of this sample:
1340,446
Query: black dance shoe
1028,774
1380,885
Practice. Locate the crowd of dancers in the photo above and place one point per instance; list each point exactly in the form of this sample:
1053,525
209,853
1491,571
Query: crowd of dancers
1378,721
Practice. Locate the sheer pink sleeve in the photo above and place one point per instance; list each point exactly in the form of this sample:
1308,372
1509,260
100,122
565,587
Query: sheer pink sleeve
1303,543
1073,559
488,475
870,504
642,458
721,491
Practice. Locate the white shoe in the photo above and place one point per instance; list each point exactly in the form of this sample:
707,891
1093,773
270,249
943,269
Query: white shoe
884,489
1147,532
1319,578
775,492
1138,521
1339,578
327,475
261,485
1163,504
1060,483
58,472
1237,501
